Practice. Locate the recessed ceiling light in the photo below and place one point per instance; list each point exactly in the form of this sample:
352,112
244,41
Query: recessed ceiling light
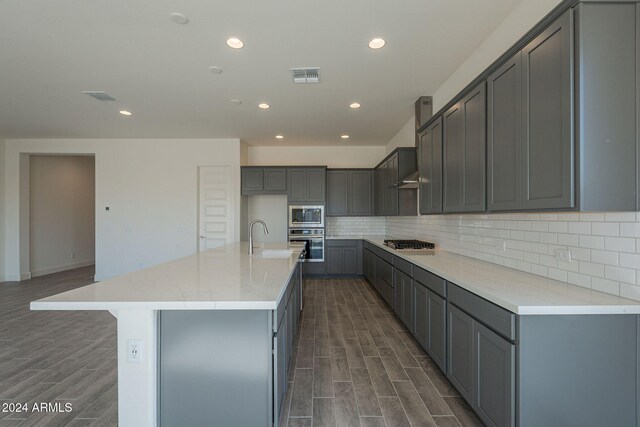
263,106
354,105
125,112
236,101
279,137
377,43
215,70
234,43
179,18
344,136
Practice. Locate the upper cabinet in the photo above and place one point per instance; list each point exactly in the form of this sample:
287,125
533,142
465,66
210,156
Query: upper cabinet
307,185
349,192
464,153
263,180
430,152
391,198
547,106
560,122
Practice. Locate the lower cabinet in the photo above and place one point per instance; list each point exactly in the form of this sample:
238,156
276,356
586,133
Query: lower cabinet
481,366
430,314
383,279
343,257
403,298
283,341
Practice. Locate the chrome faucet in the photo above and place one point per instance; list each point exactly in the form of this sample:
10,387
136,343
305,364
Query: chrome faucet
266,231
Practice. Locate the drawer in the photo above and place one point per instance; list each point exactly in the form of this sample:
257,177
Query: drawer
385,270
430,281
497,318
402,265
341,243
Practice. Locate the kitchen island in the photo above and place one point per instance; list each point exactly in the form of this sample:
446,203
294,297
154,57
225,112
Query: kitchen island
205,339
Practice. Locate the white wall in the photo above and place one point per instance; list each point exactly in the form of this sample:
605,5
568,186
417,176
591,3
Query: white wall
333,157
273,211
406,137
151,187
62,213
2,209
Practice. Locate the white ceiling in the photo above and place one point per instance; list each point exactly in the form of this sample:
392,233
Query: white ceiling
52,50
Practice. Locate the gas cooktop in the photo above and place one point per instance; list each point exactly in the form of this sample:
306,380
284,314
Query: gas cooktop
400,244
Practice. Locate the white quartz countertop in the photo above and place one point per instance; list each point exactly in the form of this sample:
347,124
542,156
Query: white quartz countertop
225,278
519,292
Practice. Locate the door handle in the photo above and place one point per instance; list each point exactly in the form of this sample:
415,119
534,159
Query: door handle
203,236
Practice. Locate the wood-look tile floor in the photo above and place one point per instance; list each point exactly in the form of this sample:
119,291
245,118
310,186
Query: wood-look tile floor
56,356
355,364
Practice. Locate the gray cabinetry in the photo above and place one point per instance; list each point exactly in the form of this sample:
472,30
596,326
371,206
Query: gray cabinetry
307,185
403,298
430,313
380,182
390,199
344,257
337,193
261,180
460,351
504,136
464,153
275,180
360,192
548,156
349,192
494,375
430,151
392,185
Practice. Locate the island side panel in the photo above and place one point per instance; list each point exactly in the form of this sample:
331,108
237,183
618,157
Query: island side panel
137,381
215,367
578,370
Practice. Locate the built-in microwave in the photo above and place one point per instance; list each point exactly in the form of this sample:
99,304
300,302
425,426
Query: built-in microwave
306,216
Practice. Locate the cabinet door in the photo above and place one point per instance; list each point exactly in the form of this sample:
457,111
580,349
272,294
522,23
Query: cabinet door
381,191
460,351
337,193
275,179
349,261
334,260
421,314
252,180
316,184
504,135
392,189
360,194
437,329
280,368
407,302
431,169
548,155
297,185
494,359
474,150
452,158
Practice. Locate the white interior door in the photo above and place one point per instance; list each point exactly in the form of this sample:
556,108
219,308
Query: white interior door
216,206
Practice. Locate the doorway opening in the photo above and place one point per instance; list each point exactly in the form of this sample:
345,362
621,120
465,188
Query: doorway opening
62,203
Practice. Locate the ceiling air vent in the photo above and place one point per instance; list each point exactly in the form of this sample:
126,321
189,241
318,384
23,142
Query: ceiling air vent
99,95
306,75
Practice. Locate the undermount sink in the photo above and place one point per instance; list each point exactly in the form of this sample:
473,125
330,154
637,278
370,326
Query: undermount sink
273,253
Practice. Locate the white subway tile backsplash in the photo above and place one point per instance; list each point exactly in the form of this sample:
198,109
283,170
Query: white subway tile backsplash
604,247
630,229
626,275
621,244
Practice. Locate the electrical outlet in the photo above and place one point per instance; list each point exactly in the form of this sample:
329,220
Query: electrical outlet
501,245
73,255
134,351
563,255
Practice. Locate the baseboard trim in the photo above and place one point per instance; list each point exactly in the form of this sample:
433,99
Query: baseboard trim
60,268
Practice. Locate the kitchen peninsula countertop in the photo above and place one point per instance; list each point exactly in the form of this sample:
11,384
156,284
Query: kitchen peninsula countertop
517,291
225,278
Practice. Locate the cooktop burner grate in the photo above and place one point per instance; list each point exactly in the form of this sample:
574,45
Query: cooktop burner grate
408,244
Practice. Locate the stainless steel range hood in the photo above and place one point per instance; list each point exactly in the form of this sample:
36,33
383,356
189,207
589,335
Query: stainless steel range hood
410,181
